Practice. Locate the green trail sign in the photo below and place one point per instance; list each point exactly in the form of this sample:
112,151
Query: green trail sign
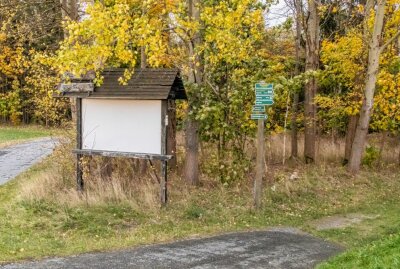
259,116
258,108
264,102
264,86
264,97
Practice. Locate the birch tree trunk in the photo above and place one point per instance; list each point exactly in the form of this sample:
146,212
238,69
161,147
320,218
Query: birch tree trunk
312,64
353,121
360,137
192,126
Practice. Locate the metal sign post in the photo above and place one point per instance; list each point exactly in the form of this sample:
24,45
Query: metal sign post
264,97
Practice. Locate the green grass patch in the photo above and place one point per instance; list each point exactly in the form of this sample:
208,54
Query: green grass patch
380,254
10,134
386,223
39,227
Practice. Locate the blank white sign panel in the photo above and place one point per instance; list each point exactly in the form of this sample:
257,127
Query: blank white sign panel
122,125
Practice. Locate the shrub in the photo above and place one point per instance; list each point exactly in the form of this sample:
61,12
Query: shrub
371,156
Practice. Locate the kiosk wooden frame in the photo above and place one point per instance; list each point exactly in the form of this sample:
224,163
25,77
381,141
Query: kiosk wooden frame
146,85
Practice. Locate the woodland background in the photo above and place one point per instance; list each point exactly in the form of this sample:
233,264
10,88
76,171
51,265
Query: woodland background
332,136
335,65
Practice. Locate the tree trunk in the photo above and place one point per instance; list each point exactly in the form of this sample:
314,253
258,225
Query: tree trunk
368,98
293,124
69,9
382,146
312,64
171,142
195,77
351,131
64,8
143,165
399,158
143,58
73,10
295,105
192,152
353,121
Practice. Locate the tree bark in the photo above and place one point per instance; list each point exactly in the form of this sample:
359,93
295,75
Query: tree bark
64,8
293,124
352,126
192,153
73,7
312,64
368,98
382,146
69,9
143,58
295,105
142,164
171,142
195,77
399,159
351,131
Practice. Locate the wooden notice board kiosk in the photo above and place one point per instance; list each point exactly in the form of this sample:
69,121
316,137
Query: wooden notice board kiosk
132,121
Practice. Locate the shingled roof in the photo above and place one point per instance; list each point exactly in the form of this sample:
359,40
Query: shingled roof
145,84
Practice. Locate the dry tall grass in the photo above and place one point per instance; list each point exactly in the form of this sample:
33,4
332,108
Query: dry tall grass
57,183
330,150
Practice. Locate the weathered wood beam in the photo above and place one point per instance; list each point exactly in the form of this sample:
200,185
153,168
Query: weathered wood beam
79,170
76,87
91,75
105,153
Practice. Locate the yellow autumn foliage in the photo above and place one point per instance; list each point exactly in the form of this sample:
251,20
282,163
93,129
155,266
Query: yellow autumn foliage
344,62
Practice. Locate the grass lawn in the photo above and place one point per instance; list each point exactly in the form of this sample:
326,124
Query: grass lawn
380,254
10,135
36,227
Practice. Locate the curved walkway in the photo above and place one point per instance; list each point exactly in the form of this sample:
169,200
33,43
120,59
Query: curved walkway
278,248
16,159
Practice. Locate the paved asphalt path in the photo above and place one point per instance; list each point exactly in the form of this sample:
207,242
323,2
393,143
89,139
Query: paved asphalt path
16,159
278,248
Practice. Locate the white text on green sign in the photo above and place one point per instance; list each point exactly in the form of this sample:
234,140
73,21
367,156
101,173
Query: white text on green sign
264,92
264,102
259,116
264,97
258,108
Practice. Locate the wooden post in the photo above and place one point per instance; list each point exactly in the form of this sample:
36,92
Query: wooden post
79,171
260,168
164,163
163,183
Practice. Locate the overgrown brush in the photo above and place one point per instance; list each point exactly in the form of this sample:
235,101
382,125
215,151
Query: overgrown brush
124,186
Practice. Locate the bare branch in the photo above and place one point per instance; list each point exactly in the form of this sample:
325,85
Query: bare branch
390,41
215,90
